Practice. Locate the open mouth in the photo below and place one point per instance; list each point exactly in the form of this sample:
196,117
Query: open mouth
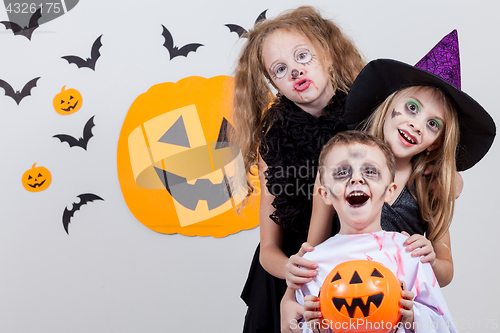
188,195
302,85
411,140
363,303
37,184
71,107
357,198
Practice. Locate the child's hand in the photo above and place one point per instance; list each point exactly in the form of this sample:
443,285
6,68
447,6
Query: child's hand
296,276
418,245
407,304
312,314
291,313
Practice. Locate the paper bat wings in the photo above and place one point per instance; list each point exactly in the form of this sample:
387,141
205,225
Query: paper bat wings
174,50
84,199
26,31
242,31
81,142
90,62
18,95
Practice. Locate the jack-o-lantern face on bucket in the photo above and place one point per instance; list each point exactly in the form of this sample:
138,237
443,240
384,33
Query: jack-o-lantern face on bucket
68,101
364,292
178,172
36,179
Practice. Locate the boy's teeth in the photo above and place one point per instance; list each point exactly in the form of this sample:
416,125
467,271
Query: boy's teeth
357,198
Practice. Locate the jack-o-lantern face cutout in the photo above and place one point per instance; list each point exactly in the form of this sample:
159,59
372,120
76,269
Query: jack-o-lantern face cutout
36,179
178,172
194,166
362,292
68,101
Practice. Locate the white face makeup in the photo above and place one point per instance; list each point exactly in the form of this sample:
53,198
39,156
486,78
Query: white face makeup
414,123
357,182
294,67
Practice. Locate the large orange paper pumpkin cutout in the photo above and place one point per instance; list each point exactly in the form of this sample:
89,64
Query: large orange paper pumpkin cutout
177,171
36,179
361,296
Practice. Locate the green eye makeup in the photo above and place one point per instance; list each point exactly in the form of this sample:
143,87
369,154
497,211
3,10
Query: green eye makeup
413,106
439,123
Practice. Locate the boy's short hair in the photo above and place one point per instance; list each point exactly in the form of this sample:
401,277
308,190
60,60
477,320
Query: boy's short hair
350,137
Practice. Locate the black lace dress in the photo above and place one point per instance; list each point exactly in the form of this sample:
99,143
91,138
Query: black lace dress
290,147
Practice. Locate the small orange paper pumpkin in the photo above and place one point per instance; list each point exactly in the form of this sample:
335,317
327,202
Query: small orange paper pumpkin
36,179
67,101
361,296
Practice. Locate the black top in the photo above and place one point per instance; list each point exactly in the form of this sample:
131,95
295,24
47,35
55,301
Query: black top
403,215
290,146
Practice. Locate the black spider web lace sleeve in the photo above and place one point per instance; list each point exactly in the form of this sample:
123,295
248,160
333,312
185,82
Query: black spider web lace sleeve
290,147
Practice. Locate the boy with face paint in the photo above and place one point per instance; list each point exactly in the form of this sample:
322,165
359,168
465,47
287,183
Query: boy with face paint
357,176
357,181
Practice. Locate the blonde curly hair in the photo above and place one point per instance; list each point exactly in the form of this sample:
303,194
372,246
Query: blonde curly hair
252,91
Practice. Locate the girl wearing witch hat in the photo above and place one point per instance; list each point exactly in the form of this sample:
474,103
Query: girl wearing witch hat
429,123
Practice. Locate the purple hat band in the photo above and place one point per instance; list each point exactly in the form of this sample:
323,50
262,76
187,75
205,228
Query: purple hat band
444,60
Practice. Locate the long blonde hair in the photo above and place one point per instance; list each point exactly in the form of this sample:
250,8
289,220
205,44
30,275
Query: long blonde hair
252,93
439,202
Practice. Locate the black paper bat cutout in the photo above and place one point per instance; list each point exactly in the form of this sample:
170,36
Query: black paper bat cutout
90,62
26,31
81,142
174,50
242,31
84,199
18,95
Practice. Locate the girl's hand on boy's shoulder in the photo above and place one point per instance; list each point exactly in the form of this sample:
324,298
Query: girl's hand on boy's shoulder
299,270
418,245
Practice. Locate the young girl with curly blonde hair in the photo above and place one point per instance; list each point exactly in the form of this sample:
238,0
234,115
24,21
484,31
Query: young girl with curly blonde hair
311,65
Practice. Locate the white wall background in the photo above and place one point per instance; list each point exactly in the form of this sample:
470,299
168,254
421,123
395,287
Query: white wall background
112,274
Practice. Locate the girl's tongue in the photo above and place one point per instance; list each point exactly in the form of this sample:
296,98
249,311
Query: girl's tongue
302,85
